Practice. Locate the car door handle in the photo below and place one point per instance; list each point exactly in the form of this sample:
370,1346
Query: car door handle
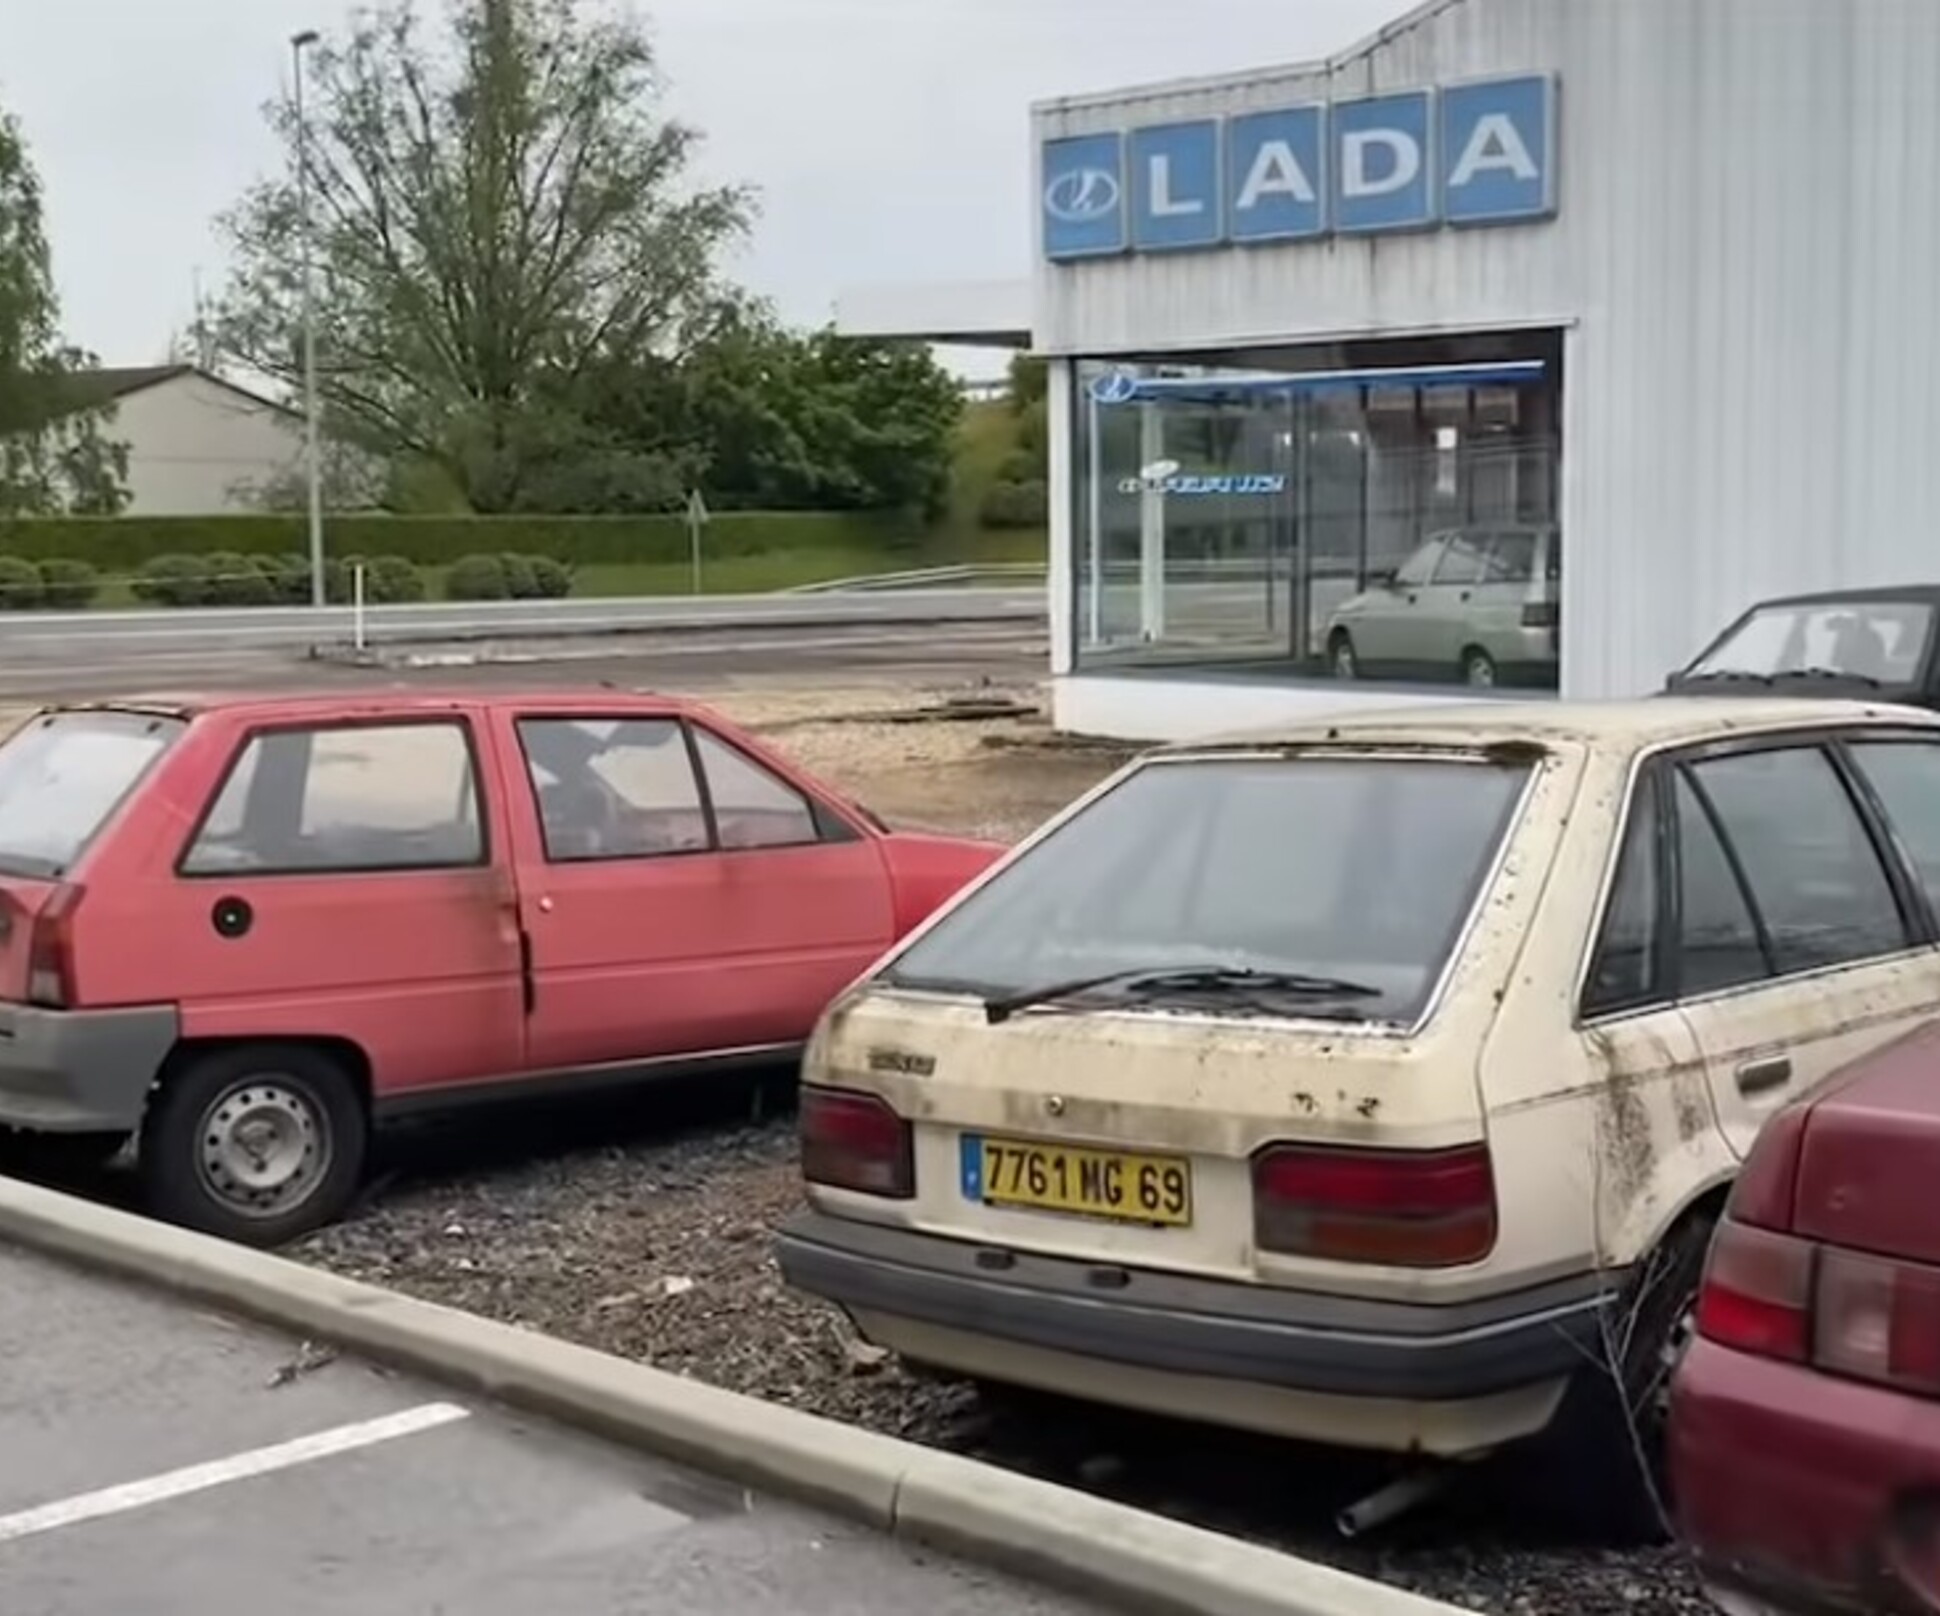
1761,1076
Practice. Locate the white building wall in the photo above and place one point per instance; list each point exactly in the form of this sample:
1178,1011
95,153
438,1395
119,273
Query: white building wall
195,447
1749,216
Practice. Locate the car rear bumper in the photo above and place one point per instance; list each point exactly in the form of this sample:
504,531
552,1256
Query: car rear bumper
1802,1493
1070,1314
80,1071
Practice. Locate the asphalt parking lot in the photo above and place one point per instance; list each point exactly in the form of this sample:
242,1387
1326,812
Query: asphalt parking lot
155,1459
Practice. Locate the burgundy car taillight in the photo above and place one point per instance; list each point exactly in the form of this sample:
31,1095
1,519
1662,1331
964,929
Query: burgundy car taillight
50,950
1397,1208
855,1141
1757,1292
1846,1312
1877,1320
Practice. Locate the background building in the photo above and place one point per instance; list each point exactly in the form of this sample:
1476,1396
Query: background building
1524,344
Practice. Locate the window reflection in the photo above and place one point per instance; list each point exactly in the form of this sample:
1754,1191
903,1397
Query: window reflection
1292,522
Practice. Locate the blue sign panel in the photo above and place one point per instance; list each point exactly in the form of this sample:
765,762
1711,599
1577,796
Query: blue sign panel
1477,153
1498,158
1276,175
1176,197
1384,167
1084,196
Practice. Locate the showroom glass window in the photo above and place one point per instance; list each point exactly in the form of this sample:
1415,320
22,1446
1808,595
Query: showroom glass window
1266,518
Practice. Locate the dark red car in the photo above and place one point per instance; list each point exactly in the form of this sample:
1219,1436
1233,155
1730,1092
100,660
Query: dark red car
1805,1429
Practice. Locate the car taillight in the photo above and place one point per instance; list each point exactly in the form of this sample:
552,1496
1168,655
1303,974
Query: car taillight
50,950
1539,614
1397,1208
1877,1320
1757,1292
1846,1312
853,1141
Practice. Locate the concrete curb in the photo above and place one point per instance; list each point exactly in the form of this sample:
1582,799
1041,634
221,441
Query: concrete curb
1086,1544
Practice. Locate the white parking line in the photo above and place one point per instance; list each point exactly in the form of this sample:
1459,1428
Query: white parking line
218,1472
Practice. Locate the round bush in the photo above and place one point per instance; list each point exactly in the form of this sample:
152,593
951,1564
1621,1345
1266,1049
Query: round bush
1015,505
20,588
477,577
174,580
390,580
234,580
521,582
552,580
67,585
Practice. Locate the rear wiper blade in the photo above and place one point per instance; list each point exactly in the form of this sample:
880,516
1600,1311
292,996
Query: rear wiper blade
1183,979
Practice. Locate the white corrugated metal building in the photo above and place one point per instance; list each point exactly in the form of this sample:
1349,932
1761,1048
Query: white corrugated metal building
1635,298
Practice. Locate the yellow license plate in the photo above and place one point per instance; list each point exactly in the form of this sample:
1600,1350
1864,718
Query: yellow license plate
1126,1186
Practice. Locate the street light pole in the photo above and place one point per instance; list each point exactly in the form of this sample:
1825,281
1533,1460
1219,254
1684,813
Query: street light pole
313,450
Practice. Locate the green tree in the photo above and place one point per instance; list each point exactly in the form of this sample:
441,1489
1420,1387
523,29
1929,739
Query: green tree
781,420
56,455
498,217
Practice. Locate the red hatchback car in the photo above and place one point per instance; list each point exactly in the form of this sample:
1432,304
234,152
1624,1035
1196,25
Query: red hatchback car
244,932
1805,1423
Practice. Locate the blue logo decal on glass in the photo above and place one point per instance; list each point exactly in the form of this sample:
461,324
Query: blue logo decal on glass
1497,150
1276,174
1383,163
1175,186
1084,196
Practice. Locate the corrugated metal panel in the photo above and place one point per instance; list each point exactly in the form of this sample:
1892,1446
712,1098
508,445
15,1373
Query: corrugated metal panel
1750,216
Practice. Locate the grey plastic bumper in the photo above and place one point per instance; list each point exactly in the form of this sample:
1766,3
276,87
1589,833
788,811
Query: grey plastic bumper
1292,1339
80,1071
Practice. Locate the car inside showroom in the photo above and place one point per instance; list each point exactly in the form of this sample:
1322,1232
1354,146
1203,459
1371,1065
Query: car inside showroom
1515,351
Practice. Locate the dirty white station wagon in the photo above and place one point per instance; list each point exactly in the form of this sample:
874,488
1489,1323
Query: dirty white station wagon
1375,1082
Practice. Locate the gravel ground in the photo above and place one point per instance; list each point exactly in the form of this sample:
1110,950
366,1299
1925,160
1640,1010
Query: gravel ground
643,1228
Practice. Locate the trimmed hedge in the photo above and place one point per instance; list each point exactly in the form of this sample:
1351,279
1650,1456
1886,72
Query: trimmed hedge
55,585
125,544
227,578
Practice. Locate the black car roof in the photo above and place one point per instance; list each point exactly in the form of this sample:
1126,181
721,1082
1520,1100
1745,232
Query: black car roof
1912,594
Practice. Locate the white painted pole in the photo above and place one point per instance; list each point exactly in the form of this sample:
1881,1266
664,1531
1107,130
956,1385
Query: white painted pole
357,605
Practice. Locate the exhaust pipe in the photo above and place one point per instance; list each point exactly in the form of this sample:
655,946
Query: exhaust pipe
1392,1501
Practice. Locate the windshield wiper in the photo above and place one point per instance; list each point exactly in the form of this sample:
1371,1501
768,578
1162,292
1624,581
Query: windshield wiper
1833,673
1149,980
1725,673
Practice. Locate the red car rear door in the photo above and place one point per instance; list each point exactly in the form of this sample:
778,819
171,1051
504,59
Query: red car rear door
668,917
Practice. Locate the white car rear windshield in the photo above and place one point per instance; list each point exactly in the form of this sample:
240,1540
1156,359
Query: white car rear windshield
1360,870
62,775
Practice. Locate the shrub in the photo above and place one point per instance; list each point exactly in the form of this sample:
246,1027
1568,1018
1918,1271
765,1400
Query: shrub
235,580
1015,505
20,587
173,580
1021,466
126,544
477,577
288,577
65,585
554,579
521,582
390,580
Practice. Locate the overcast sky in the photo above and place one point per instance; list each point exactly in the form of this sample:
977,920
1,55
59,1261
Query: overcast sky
888,138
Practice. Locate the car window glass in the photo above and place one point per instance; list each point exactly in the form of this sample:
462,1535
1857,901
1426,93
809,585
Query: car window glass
613,788
1417,569
1461,562
1511,559
1349,867
1814,874
63,775
1718,944
1906,777
345,797
753,806
1882,640
1623,972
